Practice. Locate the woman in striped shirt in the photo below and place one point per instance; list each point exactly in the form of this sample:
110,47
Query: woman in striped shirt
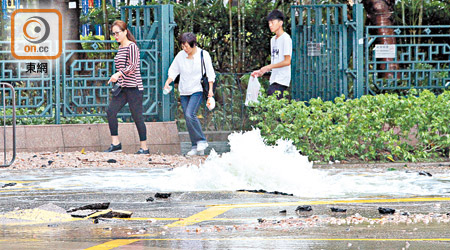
129,77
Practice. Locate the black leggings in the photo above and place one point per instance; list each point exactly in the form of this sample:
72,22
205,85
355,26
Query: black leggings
133,97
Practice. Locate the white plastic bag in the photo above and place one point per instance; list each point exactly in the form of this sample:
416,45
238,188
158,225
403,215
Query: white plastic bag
252,91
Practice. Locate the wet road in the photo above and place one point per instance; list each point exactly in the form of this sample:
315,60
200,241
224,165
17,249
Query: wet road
212,220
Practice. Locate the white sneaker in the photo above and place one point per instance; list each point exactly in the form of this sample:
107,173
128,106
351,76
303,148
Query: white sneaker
202,145
192,152
195,152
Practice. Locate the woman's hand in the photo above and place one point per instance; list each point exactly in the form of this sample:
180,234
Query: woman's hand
114,77
167,84
210,93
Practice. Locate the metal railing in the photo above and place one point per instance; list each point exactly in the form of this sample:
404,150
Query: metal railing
419,59
8,98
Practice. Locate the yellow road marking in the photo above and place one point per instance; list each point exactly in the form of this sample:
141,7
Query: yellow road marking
24,189
215,210
140,218
113,244
9,181
19,240
177,219
296,203
302,239
204,215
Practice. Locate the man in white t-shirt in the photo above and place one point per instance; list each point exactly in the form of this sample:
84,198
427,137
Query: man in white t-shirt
281,52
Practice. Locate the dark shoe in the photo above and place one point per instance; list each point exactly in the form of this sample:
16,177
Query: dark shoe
143,152
115,148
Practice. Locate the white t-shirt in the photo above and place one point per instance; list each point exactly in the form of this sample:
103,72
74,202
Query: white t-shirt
190,71
280,47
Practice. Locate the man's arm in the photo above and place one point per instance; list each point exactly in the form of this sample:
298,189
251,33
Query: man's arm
267,68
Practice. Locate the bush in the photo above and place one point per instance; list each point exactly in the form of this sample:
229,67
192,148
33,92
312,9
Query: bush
381,127
31,116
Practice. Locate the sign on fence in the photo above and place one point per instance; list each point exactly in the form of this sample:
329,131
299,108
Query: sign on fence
314,49
385,51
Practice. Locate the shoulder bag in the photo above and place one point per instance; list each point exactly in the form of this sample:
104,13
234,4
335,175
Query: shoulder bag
204,80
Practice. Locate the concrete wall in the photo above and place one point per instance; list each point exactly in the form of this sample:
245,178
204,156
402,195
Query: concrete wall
162,137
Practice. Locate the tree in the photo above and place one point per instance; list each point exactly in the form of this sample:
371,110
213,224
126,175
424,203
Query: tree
380,13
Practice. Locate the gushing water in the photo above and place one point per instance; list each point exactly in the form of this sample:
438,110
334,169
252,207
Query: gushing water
251,164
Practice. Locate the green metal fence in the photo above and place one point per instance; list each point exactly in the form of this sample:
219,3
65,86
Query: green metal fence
419,59
328,60
85,89
327,51
34,91
75,84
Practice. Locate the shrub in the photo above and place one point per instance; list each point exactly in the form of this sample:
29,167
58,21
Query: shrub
381,127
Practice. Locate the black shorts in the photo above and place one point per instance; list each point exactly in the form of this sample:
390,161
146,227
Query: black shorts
276,87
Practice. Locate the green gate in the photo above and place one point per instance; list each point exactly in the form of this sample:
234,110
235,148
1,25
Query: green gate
327,59
88,64
75,84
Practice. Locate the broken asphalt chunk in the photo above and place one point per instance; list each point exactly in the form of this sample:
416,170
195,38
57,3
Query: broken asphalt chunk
338,210
9,184
102,214
306,208
386,210
425,173
82,213
163,195
121,214
91,207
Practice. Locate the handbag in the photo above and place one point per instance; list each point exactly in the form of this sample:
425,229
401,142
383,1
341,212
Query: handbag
116,89
204,80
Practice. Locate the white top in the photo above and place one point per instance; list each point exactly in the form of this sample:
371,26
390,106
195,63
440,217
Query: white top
280,47
190,71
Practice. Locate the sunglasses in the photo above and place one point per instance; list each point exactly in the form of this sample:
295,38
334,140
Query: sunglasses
116,33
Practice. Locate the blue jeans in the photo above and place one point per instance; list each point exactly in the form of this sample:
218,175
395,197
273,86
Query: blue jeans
190,105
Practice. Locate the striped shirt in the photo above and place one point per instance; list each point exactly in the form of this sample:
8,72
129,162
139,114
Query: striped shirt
131,74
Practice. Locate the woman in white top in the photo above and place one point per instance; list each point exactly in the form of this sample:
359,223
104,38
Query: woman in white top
188,64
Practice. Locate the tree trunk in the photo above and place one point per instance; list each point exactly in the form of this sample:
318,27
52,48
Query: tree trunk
230,5
106,26
379,13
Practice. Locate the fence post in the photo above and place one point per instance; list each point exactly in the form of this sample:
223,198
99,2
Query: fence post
58,91
165,41
358,61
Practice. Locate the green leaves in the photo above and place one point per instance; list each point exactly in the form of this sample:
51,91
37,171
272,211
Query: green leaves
382,127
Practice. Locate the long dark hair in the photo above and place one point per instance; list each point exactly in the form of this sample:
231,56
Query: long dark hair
123,26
